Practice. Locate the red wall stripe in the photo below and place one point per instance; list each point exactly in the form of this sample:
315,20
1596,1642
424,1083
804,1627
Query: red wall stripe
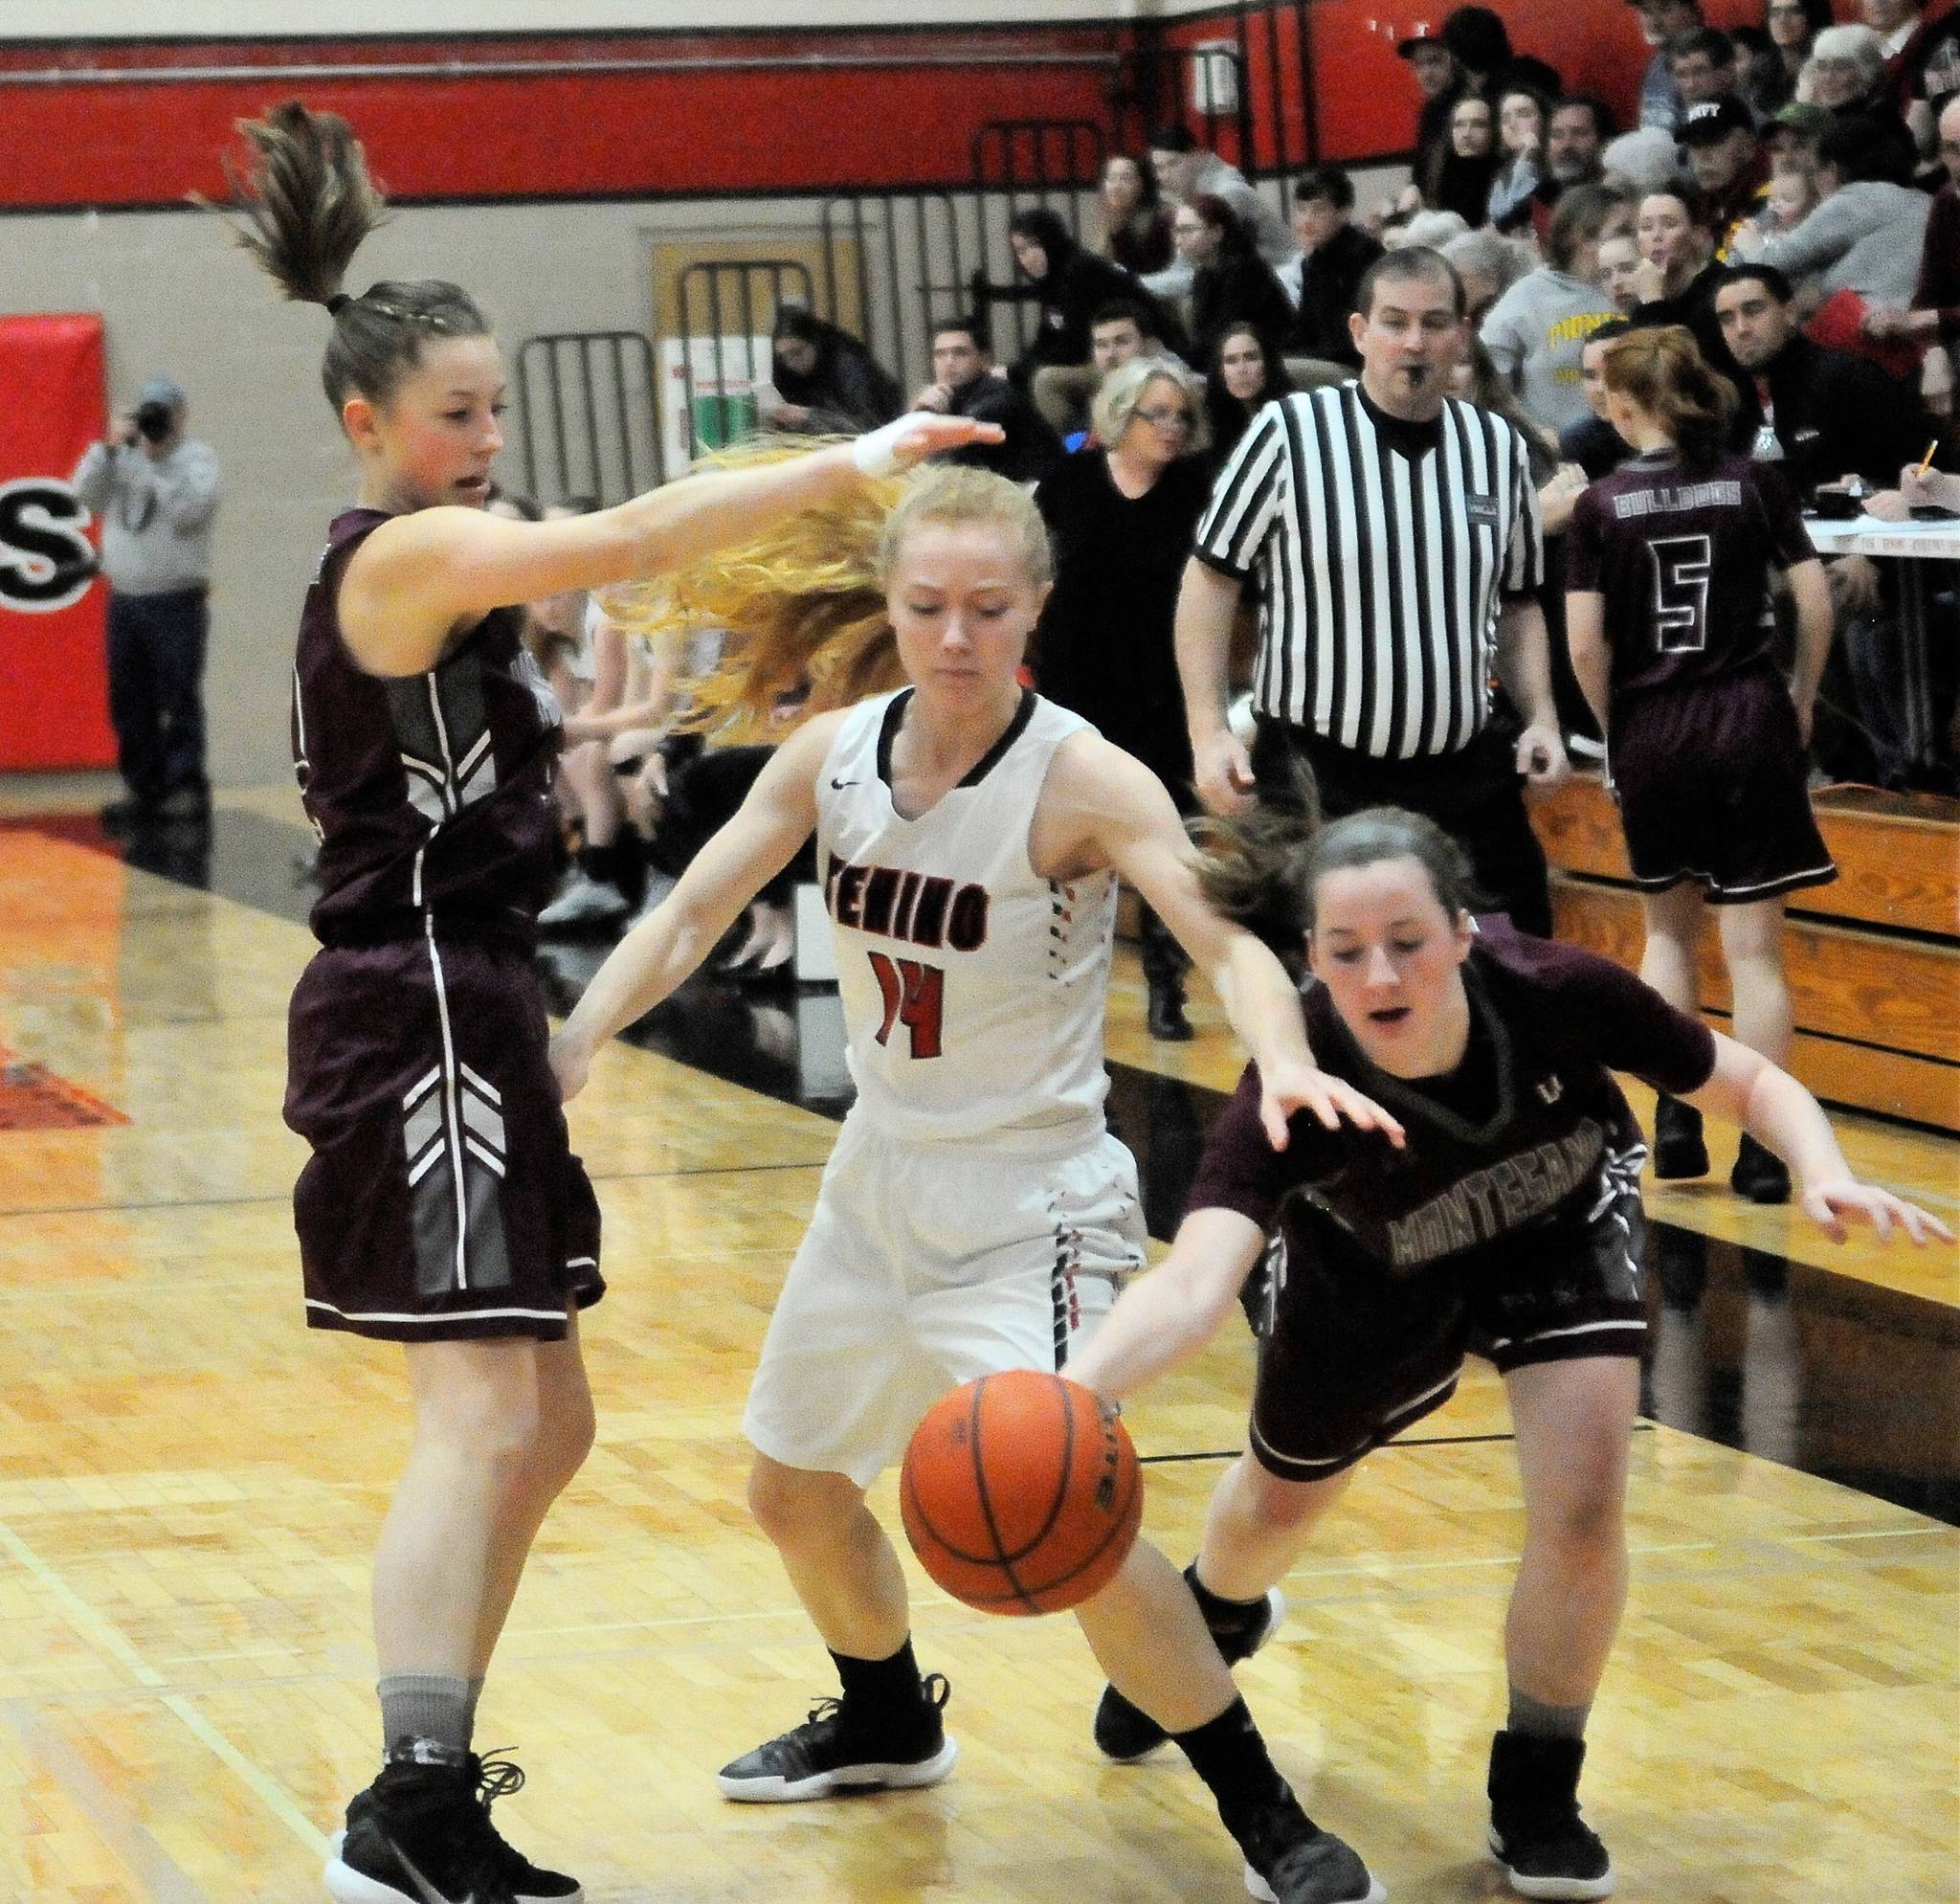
795,128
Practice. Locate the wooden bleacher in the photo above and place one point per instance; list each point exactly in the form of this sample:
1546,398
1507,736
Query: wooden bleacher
1874,959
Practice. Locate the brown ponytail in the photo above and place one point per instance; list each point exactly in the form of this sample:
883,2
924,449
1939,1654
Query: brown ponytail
305,205
1661,368
1263,869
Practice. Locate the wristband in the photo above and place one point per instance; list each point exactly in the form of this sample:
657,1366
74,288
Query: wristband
875,453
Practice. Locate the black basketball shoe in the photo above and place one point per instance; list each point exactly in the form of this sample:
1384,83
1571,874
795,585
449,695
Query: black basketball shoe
836,1750
1759,1174
1545,1849
1678,1147
1290,1860
1126,1732
423,1828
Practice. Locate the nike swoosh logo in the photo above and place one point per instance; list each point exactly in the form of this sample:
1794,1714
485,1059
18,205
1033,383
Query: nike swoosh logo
429,1894
835,782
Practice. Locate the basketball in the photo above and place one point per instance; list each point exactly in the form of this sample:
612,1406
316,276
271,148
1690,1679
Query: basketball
1021,1492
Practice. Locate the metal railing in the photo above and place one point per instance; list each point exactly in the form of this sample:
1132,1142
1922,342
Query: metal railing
721,379
585,414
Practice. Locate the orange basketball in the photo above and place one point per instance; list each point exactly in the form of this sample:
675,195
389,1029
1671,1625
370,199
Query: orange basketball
1021,1492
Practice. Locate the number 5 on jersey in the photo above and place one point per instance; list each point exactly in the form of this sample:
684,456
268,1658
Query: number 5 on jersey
915,997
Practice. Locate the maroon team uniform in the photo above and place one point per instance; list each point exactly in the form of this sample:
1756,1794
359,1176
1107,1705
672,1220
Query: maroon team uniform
1513,1215
1704,755
442,1199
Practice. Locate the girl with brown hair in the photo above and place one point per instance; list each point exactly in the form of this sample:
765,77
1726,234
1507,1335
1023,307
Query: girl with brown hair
442,1206
1672,630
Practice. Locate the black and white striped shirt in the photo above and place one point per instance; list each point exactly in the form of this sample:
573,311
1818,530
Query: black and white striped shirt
1380,573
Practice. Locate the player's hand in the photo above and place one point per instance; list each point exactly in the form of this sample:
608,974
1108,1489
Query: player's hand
1222,774
1290,1088
892,448
1831,1204
1540,757
570,1064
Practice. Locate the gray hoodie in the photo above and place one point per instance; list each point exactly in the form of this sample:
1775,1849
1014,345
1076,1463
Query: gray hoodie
156,514
1535,333
1865,237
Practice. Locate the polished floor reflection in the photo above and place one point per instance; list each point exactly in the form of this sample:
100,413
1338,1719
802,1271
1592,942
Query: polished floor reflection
190,1484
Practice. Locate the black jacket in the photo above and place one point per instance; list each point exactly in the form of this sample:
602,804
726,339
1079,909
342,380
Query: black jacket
1032,448
847,392
1836,414
1328,280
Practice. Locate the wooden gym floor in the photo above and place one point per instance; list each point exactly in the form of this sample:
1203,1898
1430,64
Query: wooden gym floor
190,1483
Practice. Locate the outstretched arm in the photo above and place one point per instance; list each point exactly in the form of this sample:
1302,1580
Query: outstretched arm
1166,1316
664,949
1746,1090
1119,814
419,578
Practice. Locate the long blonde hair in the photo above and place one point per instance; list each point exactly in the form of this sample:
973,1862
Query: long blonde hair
804,599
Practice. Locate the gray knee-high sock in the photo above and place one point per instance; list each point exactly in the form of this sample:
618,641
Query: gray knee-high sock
425,1706
1532,1716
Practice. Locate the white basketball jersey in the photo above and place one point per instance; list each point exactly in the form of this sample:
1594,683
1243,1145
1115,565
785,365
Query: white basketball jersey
972,988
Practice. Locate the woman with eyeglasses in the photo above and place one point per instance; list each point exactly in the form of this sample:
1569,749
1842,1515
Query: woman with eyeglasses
1122,520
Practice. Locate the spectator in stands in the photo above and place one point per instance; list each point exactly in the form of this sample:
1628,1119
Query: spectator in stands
1464,176
828,383
1934,317
1729,164
966,384
1791,137
1863,241
1522,113
1593,442
1136,222
1792,26
1230,282
1071,285
1188,170
1641,161
1440,84
1489,266
1662,23
1763,83
1333,254
1704,67
1847,69
1618,269
1117,333
1825,415
1121,520
1911,37
1246,375
1676,275
1575,140
1535,332
1430,230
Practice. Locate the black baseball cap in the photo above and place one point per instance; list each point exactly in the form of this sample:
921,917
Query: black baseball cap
1710,120
1409,48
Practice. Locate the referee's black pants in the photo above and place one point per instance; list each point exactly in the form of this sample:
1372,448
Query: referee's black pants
1474,794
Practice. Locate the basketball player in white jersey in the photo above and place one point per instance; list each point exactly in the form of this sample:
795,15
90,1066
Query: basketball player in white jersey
976,1213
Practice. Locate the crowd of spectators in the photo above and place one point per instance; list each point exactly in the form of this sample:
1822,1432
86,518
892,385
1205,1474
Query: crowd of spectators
1787,192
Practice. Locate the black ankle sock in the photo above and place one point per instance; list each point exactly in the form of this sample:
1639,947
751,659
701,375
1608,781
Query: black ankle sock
1229,1755
1228,1619
877,1688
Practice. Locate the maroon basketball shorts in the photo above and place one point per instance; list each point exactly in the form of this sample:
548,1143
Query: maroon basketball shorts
443,1200
1712,786
1354,1354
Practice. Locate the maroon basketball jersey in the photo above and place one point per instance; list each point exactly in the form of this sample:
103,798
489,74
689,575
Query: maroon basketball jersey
1524,1152
430,793
1682,557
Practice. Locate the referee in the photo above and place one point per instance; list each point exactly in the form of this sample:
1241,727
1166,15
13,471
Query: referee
1393,532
